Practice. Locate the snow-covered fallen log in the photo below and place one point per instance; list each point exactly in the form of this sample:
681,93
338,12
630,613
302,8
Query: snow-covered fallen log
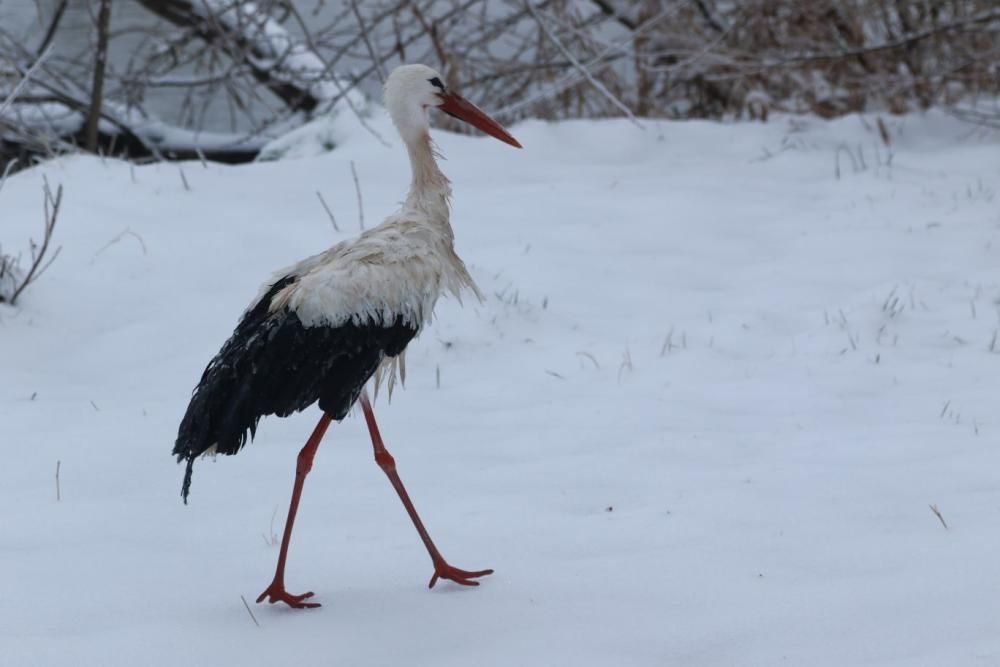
35,128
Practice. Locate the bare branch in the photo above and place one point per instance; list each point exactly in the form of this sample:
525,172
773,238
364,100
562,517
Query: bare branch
606,7
100,65
583,70
50,32
25,77
248,35
379,68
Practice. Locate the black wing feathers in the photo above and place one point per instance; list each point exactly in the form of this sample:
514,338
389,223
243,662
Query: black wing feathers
274,365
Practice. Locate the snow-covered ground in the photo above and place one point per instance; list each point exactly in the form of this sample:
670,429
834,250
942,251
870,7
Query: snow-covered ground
700,418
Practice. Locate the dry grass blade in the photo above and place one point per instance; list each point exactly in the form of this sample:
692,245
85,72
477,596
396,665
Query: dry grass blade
326,208
668,343
6,172
271,539
626,364
250,611
357,189
937,513
126,232
592,358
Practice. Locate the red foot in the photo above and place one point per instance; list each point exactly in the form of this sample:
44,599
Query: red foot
444,571
276,593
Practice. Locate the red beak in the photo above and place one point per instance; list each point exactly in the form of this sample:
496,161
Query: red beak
462,109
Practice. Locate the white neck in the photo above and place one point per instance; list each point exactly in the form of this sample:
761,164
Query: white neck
430,189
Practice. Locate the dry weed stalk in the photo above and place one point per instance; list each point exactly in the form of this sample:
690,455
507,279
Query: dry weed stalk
9,271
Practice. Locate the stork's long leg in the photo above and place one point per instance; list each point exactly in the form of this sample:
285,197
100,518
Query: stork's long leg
385,461
276,591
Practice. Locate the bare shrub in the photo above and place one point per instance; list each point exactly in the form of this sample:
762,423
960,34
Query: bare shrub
14,280
249,70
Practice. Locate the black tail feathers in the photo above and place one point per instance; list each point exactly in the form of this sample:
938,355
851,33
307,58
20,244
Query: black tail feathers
186,486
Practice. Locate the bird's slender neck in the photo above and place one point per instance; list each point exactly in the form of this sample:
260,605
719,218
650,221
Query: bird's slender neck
430,189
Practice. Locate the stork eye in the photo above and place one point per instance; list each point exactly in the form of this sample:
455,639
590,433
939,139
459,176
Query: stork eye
436,82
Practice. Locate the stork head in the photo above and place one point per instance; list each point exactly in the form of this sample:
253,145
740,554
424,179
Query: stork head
411,91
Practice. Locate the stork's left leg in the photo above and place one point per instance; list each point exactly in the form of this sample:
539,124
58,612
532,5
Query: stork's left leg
276,591
388,465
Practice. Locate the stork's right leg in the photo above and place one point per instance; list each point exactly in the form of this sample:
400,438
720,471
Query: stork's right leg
276,591
442,570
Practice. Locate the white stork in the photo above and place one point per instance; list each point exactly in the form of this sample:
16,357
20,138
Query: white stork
321,328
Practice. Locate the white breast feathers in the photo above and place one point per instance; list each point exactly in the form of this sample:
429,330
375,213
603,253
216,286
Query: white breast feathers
398,269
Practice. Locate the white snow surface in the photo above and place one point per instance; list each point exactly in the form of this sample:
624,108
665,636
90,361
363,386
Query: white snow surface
700,419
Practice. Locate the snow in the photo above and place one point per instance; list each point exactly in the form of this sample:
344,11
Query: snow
700,418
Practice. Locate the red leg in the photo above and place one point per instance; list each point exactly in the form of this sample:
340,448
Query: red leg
276,591
388,465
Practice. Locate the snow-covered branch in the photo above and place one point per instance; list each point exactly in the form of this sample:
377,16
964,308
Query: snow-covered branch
248,34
